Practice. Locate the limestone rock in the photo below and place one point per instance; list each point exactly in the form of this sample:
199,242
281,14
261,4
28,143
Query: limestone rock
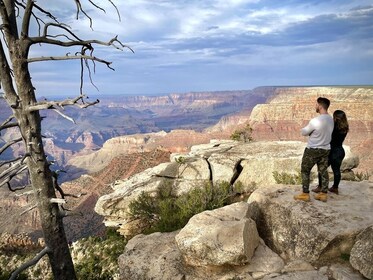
316,230
247,166
183,177
361,257
224,236
303,275
153,256
298,265
265,261
157,256
340,272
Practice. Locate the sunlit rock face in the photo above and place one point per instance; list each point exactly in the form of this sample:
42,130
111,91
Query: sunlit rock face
314,231
290,108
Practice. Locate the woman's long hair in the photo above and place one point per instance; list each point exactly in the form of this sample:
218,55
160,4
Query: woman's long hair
340,121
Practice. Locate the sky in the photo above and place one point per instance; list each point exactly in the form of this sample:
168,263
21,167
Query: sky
212,45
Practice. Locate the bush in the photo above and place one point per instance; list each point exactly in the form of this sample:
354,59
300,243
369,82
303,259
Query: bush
287,178
166,212
5,275
100,256
243,134
361,176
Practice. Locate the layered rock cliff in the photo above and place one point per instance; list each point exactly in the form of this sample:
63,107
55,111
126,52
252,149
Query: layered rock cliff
290,108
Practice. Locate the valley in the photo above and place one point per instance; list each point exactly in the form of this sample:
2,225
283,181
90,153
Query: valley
126,135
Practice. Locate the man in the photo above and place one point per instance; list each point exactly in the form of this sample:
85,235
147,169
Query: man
319,131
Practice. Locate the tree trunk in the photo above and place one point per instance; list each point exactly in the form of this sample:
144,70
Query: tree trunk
41,176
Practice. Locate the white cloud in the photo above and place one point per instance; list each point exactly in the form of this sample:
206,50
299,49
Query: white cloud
172,37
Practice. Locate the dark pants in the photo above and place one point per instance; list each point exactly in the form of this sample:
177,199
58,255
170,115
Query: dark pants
336,157
309,159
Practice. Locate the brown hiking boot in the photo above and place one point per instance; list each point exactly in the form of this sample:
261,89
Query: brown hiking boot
302,196
317,190
321,196
333,190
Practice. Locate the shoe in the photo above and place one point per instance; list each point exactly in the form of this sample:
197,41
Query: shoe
302,196
333,190
321,196
317,190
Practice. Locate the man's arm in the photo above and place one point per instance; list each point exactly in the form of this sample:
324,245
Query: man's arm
307,130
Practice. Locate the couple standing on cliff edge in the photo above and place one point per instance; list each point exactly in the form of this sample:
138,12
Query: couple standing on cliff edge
325,137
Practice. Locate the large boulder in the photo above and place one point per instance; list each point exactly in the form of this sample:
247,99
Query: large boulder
153,256
312,231
161,256
361,257
225,236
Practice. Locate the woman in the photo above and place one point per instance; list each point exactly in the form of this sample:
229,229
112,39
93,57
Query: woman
337,153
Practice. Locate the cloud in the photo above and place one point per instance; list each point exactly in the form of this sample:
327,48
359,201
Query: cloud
214,44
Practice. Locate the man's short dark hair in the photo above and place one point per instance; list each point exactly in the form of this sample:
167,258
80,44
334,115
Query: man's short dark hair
324,102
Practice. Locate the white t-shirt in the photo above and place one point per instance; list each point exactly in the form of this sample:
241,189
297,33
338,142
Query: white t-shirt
319,130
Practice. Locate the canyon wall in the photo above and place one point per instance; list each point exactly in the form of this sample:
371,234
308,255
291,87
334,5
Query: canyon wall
290,108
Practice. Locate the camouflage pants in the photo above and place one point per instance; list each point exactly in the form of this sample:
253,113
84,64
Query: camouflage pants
310,158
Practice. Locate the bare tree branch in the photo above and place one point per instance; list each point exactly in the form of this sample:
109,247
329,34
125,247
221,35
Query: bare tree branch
7,123
9,161
42,105
11,175
80,9
18,187
31,262
57,200
60,190
68,57
28,209
111,2
47,39
26,17
11,168
65,116
8,144
9,119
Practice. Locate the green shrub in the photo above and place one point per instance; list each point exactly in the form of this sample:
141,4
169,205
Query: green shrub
345,257
287,178
361,176
244,134
101,256
166,212
180,160
5,275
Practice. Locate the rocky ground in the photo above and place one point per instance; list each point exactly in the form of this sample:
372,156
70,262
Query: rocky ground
296,240
289,239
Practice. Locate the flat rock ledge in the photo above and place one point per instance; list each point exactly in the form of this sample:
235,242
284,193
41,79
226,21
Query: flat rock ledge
315,231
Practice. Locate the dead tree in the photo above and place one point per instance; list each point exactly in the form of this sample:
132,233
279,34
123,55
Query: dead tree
17,16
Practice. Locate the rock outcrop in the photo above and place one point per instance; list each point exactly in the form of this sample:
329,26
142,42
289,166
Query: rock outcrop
214,253
316,231
222,244
362,253
246,166
176,255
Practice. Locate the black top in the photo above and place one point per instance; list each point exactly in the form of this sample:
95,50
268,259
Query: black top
337,138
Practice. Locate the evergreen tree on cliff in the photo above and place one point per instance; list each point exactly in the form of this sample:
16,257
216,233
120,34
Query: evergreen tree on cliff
17,16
